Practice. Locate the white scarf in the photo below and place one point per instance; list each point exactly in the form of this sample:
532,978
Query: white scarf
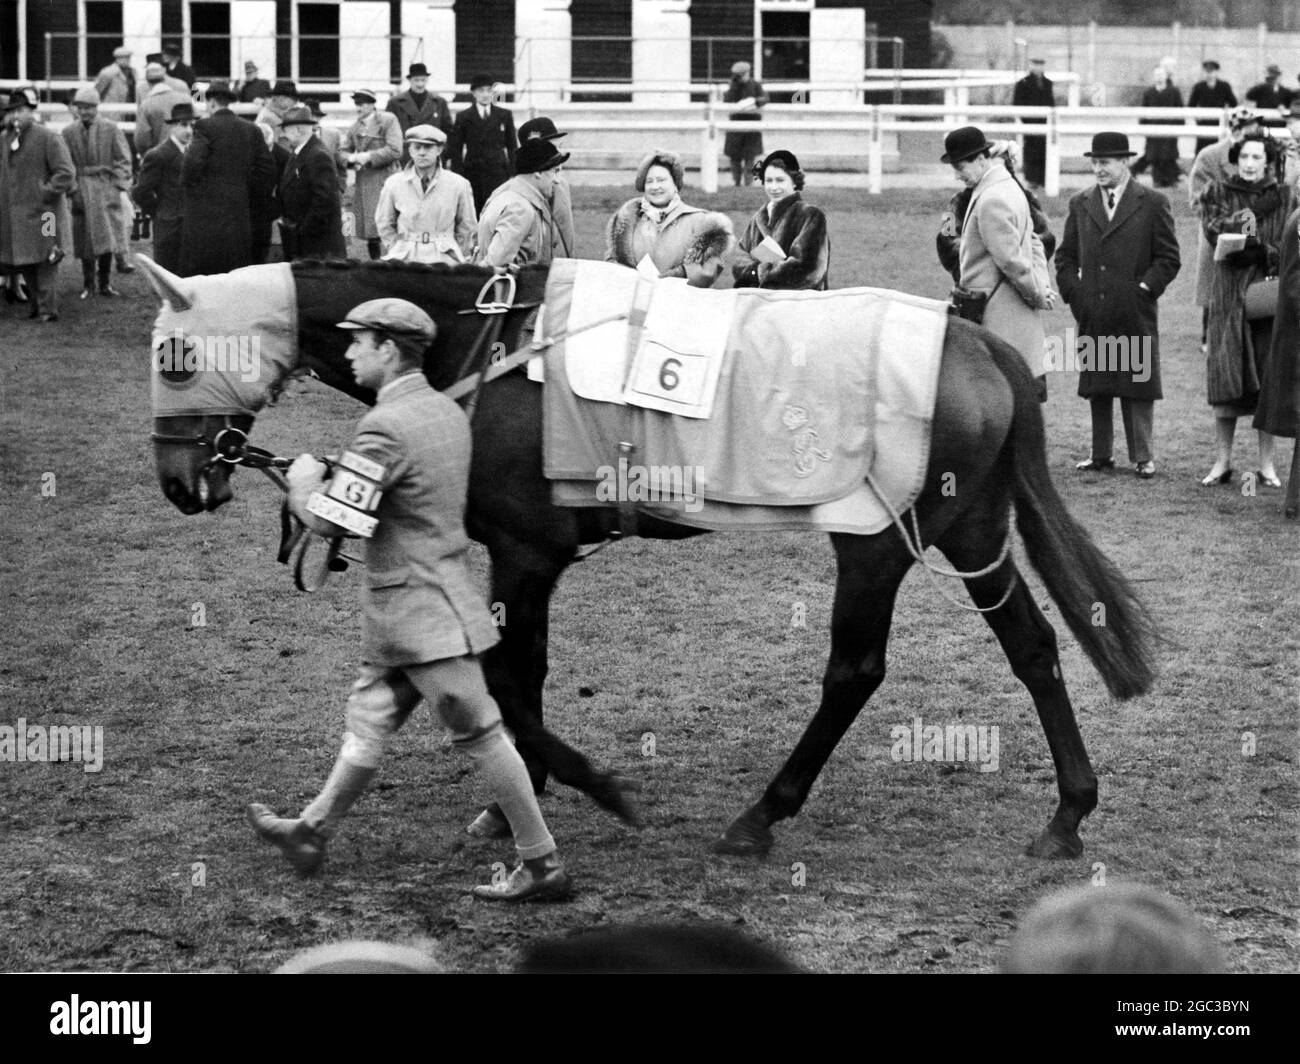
660,215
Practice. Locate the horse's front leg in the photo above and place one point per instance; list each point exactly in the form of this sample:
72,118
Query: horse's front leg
523,579
870,571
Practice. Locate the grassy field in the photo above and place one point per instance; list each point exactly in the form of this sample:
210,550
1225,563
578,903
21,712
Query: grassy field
148,864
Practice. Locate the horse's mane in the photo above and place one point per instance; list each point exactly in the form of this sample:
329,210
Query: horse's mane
328,289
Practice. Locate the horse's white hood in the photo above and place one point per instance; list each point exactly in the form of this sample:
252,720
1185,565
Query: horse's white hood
223,353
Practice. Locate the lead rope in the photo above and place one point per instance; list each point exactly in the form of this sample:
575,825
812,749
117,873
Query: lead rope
917,551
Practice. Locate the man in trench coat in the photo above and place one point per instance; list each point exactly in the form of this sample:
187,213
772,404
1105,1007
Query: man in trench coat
1118,255
103,162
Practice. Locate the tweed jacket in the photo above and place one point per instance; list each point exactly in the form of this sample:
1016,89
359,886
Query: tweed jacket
998,244
103,163
159,193
516,227
420,603
1099,267
34,179
152,114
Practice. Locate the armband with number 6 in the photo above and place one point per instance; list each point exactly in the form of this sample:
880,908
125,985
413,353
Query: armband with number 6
351,495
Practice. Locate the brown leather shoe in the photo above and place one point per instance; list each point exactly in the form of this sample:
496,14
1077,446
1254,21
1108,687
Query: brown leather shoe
303,845
523,884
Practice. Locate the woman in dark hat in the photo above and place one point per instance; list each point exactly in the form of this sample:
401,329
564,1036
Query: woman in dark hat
1254,203
372,147
797,227
680,240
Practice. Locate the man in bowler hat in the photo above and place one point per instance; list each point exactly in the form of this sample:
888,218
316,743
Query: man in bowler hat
482,142
158,190
1118,255
418,107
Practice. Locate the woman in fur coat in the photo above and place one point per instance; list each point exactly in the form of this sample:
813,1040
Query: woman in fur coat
798,227
681,241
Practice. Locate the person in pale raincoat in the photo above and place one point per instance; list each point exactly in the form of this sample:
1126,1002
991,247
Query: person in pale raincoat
372,147
426,213
103,163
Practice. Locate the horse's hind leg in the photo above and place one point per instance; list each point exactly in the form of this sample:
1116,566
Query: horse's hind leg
1030,645
871,568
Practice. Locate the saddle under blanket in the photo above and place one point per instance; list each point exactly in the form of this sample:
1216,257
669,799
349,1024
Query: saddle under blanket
780,401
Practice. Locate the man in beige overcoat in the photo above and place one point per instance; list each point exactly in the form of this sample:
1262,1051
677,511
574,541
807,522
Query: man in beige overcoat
103,162
1001,255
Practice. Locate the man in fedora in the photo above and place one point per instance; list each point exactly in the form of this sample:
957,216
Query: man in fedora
1210,91
516,227
1001,257
116,82
401,485
566,242
426,213
1269,95
417,106
36,173
482,144
741,148
284,95
158,190
1035,90
311,219
103,162
228,178
1118,255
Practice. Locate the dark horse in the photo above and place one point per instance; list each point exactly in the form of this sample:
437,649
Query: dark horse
988,432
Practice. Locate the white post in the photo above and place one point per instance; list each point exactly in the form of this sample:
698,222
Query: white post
1052,161
962,118
547,26
429,37
363,42
709,146
1072,93
875,154
252,36
661,50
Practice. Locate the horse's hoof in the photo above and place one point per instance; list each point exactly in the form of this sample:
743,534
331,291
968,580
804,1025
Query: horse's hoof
746,837
614,793
1055,843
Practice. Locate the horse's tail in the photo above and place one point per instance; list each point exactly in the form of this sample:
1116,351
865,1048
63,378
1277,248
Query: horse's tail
1099,605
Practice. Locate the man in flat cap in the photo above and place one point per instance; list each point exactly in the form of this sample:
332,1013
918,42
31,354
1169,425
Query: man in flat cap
743,148
482,142
401,484
158,190
417,106
158,101
253,89
103,162
516,227
1002,258
1210,91
373,148
566,241
36,173
426,213
228,176
116,82
1035,90
1118,255
311,219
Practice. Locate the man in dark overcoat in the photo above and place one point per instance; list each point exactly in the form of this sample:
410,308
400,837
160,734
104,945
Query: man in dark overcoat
311,219
1034,90
418,107
482,143
1210,91
1278,412
227,174
36,173
158,190
1118,255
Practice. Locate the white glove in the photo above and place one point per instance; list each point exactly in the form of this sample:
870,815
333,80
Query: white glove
306,472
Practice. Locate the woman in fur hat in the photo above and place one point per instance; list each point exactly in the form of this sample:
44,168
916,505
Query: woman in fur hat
798,228
680,241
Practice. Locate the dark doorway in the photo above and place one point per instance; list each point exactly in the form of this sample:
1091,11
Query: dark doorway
9,39
103,34
318,42
785,49
210,40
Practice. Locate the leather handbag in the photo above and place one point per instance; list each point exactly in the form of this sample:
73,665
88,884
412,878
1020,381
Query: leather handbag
969,304
1261,299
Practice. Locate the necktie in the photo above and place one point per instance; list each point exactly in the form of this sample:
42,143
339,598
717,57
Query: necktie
1110,201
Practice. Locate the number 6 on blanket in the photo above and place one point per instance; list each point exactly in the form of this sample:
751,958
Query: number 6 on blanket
680,359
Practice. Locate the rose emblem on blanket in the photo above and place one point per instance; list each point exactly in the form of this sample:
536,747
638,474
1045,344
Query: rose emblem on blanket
806,451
